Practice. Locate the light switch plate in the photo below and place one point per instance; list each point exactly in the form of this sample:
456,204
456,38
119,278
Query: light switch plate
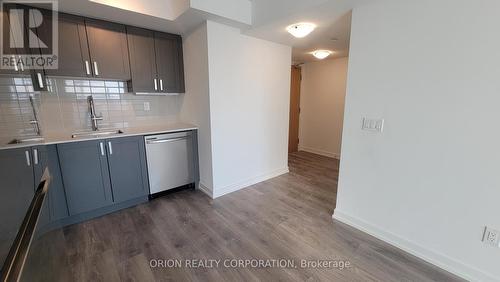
147,106
373,124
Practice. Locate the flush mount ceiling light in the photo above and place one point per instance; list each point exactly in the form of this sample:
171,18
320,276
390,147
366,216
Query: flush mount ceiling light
300,30
321,54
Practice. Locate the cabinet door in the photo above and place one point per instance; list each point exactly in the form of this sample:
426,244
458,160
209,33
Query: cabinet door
127,166
73,52
108,49
169,62
40,162
16,64
85,175
43,157
16,191
5,22
141,46
40,47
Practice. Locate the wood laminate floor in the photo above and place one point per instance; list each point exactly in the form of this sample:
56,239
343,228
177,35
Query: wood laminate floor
288,217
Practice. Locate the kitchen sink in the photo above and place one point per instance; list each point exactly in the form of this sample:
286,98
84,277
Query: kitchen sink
95,134
26,140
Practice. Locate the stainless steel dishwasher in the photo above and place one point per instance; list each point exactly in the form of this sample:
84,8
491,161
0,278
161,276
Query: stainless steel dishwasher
170,161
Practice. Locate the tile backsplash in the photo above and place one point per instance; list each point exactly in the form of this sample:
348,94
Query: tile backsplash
64,109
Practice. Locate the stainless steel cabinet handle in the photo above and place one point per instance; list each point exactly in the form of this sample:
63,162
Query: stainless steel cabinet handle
161,84
35,156
102,148
28,159
15,63
21,64
40,79
96,69
157,141
87,67
156,84
110,148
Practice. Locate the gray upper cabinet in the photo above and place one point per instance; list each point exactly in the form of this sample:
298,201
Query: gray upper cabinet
73,51
108,49
18,67
5,22
142,60
150,61
156,61
42,47
169,62
85,175
127,167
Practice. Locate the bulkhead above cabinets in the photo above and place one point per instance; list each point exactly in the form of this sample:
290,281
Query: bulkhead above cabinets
149,61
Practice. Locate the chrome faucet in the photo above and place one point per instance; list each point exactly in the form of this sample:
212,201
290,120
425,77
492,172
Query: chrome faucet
93,117
34,121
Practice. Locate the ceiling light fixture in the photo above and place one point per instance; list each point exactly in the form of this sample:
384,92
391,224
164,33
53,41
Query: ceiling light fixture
321,54
300,30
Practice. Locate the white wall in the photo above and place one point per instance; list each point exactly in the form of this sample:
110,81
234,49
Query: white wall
196,102
430,182
322,97
237,93
249,108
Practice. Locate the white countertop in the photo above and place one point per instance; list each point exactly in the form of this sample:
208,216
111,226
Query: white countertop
66,137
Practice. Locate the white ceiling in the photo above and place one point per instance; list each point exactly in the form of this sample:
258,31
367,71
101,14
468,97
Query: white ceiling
268,18
332,17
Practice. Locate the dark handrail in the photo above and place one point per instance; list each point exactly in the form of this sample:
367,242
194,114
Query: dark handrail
14,263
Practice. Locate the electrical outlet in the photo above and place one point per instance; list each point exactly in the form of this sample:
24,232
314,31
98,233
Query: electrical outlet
147,106
373,124
491,237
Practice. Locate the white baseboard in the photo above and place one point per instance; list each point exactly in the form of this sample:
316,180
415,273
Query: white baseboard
248,182
205,190
449,264
320,152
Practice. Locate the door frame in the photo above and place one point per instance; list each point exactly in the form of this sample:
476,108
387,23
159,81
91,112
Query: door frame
294,121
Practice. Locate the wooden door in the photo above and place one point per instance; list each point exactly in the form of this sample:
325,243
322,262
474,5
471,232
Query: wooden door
141,45
108,49
169,62
293,139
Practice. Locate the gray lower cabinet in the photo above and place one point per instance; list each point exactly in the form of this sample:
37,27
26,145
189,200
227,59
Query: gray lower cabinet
21,171
16,190
43,157
85,175
127,168
103,173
